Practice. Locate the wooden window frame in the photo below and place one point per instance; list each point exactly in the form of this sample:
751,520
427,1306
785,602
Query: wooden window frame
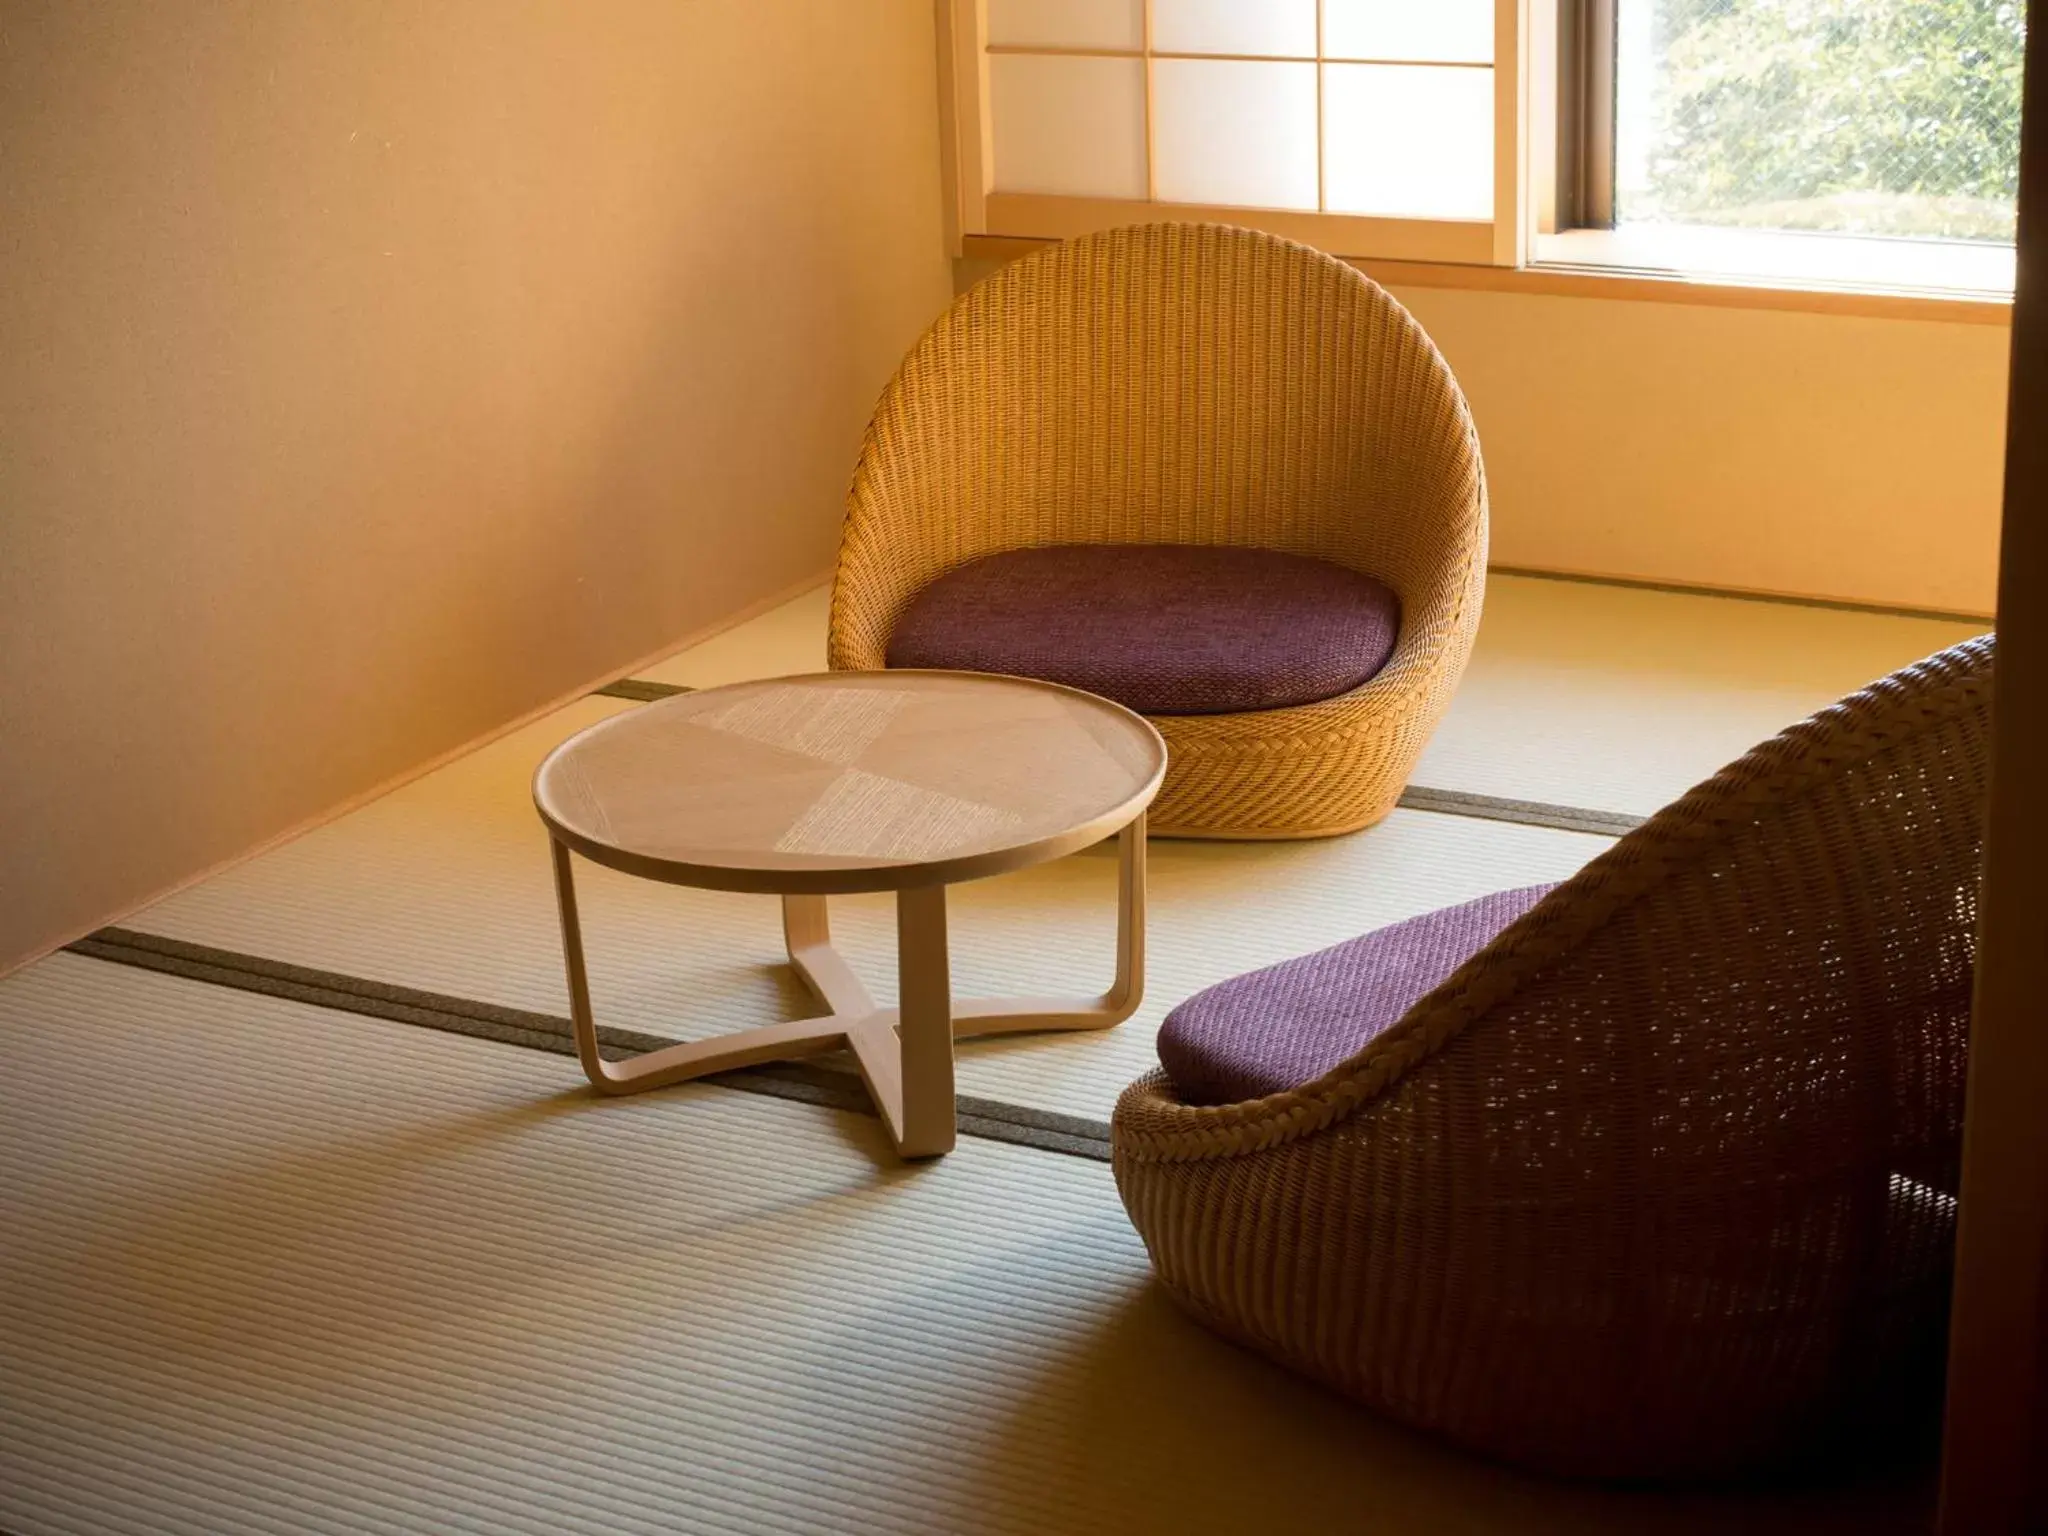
976,210
1572,114
1995,1453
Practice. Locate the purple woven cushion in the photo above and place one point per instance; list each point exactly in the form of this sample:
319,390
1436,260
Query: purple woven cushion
1165,629
1271,1030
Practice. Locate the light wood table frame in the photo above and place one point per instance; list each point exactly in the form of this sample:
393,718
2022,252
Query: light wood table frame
1089,784
905,1053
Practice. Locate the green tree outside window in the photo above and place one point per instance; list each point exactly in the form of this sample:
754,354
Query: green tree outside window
1875,117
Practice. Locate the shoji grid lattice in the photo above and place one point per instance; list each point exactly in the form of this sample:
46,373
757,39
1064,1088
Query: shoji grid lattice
1376,121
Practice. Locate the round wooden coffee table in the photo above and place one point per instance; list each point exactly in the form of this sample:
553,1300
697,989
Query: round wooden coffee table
815,786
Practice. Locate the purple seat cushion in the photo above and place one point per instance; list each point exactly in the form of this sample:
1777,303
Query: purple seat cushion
1165,629
1271,1030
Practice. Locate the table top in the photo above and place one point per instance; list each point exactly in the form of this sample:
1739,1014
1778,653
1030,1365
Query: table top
850,781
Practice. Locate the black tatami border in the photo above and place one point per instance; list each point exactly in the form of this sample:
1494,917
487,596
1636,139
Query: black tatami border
1527,813
803,1082
640,690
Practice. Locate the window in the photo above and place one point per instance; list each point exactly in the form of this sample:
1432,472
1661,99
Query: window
1825,143
1706,123
1369,127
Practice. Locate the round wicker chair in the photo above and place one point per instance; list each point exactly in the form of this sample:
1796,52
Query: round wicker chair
1192,384
1660,1182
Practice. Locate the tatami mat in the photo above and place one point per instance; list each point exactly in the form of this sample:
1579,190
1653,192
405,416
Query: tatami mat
1621,698
268,1269
445,886
1601,697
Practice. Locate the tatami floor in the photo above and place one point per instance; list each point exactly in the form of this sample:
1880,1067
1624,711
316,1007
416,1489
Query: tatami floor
306,1223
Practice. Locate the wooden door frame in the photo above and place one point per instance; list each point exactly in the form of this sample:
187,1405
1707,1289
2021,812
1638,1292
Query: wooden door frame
1995,1455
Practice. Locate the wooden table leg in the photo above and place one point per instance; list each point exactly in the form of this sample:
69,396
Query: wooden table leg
925,984
977,1016
807,936
973,1017
581,1022
674,1063
905,1054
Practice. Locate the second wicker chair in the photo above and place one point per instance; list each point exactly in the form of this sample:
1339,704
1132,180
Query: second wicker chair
1661,1180
1186,384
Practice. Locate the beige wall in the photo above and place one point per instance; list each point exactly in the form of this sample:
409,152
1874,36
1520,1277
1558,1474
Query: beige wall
1836,456
373,373
1853,458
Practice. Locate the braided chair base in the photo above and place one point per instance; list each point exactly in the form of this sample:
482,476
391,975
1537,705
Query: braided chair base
1282,782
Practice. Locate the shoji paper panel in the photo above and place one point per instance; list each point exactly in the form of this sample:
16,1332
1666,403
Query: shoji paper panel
1070,126
1432,31
1116,24
1407,141
1266,27
1234,133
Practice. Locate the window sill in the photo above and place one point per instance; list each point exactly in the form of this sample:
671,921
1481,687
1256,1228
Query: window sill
1936,269
1593,264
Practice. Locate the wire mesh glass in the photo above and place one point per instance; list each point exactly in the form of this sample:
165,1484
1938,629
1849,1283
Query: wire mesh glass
1870,117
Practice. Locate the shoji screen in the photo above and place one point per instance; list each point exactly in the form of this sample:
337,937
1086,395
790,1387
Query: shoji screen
1369,127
